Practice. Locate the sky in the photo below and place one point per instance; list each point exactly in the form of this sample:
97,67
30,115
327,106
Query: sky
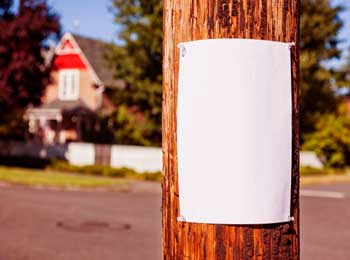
344,34
92,18
87,17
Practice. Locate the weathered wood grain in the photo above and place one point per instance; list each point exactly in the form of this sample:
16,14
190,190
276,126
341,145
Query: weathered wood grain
186,20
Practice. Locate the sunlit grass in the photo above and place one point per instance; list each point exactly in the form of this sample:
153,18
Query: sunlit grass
311,176
54,179
51,178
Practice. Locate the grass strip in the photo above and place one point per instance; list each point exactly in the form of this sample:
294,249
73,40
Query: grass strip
49,178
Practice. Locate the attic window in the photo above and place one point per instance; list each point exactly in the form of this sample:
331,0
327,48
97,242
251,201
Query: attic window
68,85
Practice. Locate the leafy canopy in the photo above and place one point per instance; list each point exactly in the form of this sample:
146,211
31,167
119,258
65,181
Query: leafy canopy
320,25
138,59
331,140
138,62
23,70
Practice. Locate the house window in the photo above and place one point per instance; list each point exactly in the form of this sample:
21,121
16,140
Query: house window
68,85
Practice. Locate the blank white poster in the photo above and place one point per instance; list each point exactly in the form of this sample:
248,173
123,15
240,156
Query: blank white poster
234,131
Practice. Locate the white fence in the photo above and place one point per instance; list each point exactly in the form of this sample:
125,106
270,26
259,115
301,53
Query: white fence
81,154
310,159
139,158
142,159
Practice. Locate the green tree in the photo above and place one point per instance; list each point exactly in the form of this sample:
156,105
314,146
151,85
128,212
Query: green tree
138,59
130,127
24,73
138,62
331,140
320,25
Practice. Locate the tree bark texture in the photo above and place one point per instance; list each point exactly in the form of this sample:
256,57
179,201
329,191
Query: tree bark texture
187,20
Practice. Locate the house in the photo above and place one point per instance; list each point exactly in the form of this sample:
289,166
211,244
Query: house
76,95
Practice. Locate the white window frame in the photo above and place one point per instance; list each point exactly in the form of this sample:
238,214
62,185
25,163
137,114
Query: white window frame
68,86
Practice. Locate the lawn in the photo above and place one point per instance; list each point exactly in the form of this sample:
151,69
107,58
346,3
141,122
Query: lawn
55,179
310,176
325,179
52,178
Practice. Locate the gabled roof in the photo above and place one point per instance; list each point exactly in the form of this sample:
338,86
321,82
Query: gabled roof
95,52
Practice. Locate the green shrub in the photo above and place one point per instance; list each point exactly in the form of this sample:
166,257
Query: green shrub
106,171
312,171
331,140
24,162
150,176
309,171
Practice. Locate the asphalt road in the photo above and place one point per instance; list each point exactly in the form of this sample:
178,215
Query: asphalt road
56,225
325,222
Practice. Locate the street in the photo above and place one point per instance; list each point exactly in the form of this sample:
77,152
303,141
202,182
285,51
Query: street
325,225
58,225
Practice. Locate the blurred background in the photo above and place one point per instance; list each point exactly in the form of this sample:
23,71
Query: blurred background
80,129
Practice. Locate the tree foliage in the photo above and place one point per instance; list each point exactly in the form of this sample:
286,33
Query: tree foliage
138,62
23,72
130,127
320,25
12,125
330,140
138,59
324,121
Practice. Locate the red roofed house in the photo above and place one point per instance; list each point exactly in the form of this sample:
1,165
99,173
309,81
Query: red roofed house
71,102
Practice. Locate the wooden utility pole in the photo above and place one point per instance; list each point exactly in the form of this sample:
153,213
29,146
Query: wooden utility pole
187,20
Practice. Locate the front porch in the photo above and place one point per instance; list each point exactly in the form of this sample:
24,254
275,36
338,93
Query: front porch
59,122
